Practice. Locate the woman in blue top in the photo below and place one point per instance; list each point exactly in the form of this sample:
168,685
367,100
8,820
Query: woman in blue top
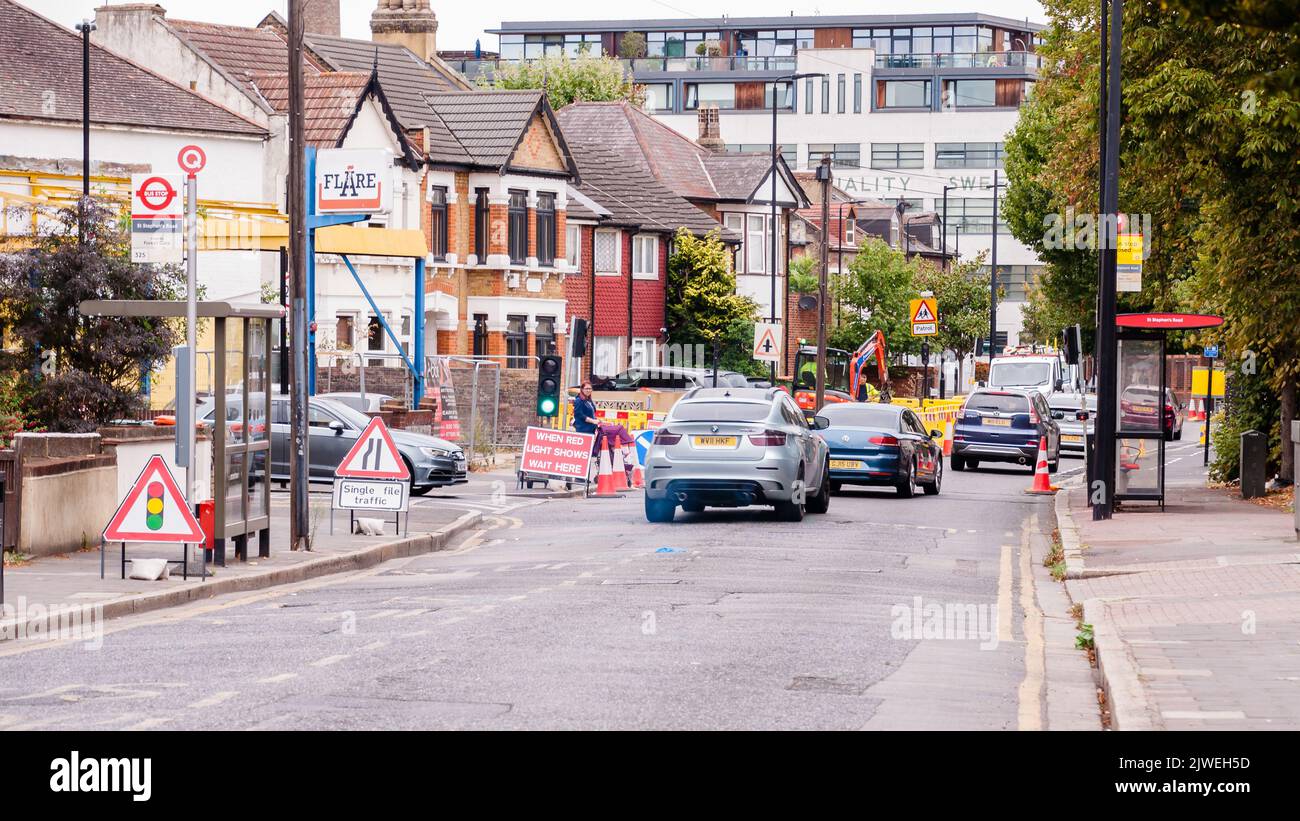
584,410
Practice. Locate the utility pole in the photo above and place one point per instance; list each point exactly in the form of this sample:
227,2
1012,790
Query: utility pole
993,274
823,177
1107,381
299,512
944,233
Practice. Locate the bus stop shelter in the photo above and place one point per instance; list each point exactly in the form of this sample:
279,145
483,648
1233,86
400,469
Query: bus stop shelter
241,432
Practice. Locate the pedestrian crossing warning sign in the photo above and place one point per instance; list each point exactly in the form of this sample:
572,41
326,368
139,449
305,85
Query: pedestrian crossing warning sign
374,456
154,510
925,317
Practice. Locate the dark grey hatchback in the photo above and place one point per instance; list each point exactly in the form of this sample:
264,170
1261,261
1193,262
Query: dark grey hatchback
1005,425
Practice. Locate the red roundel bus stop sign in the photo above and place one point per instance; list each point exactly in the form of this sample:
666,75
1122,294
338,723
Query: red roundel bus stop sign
1168,322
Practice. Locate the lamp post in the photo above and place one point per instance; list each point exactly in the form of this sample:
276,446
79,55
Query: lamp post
993,271
944,238
85,27
792,79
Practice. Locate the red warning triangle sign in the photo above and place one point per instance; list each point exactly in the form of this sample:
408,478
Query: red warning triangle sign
767,344
923,312
374,456
154,510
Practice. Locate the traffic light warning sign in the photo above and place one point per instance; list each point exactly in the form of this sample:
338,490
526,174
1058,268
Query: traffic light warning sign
154,510
374,456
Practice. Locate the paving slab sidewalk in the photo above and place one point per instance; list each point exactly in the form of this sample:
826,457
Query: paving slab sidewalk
1195,611
35,591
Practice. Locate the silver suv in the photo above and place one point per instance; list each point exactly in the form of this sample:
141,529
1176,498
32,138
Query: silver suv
734,447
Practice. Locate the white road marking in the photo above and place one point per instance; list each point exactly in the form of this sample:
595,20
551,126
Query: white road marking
276,679
406,614
1031,688
328,660
1204,715
215,699
517,598
1170,671
1004,594
382,614
451,620
375,645
149,724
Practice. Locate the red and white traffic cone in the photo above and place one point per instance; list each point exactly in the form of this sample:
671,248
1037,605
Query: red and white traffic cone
1042,484
619,468
947,438
605,488
638,478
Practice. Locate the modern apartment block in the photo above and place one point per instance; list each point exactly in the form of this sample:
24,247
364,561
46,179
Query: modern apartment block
910,104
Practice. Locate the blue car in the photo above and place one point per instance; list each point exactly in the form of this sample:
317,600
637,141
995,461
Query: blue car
1005,425
876,444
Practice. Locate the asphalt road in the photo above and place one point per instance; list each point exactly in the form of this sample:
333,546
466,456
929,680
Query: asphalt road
580,614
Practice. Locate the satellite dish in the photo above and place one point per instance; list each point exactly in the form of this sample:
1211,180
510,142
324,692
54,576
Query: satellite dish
807,302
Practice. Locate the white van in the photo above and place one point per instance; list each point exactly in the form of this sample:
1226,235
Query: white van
1042,372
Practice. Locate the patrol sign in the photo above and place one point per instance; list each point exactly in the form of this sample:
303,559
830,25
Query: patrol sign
925,316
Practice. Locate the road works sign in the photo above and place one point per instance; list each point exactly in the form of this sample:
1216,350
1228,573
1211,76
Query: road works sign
767,342
154,510
925,316
371,494
157,218
374,456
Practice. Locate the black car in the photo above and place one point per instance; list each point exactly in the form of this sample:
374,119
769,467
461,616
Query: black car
1005,425
878,444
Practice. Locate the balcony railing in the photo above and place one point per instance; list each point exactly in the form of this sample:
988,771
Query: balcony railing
729,63
984,59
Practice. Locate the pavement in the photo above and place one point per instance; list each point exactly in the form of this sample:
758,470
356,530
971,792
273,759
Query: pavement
1196,610
38,590
578,613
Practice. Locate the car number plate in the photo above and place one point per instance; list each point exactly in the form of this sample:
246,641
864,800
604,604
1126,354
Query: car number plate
845,464
714,441
1143,409
1071,438
999,423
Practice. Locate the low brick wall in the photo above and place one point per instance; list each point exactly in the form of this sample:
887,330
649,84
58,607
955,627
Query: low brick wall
68,494
339,379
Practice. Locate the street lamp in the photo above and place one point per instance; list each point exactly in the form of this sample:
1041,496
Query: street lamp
791,78
85,27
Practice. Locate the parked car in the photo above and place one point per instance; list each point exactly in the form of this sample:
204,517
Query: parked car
1005,426
735,447
1073,429
1140,406
366,403
673,378
876,444
334,428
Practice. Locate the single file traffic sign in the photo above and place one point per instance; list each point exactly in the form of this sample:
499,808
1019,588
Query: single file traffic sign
374,456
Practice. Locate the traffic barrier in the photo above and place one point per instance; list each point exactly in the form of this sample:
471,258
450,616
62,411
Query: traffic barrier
605,488
1042,484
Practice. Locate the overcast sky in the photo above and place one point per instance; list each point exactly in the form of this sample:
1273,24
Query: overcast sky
461,23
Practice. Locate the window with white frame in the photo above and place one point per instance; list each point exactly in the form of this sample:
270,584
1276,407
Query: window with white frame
756,244
736,222
605,252
644,352
572,246
607,358
848,231
645,257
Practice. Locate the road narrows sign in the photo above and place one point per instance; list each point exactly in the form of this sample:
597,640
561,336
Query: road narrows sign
154,510
374,456
925,316
767,342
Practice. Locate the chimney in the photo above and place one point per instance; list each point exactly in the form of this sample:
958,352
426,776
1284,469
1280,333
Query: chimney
322,17
710,129
409,23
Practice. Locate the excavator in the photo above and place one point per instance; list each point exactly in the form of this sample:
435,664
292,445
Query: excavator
844,373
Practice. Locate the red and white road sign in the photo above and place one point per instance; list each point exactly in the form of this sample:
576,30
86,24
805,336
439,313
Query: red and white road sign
374,456
156,196
191,159
562,453
154,510
767,342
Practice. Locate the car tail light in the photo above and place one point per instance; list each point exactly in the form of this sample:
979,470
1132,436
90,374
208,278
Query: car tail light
1033,417
663,436
769,439
884,441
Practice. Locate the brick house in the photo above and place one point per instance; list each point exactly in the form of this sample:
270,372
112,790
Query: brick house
621,226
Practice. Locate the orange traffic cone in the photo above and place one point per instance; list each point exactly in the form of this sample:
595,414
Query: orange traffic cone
638,478
1042,485
947,438
605,488
618,466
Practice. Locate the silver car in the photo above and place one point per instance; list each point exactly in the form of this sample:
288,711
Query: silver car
735,447
1073,430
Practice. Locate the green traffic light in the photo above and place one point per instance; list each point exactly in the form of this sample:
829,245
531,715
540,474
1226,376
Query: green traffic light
547,406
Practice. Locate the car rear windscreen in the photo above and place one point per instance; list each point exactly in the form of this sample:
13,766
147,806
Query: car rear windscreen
847,415
999,402
721,411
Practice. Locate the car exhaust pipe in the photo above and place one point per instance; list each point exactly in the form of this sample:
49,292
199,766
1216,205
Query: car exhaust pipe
1022,460
681,497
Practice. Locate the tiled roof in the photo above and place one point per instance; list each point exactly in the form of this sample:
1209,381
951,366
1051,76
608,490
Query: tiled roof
484,126
735,176
406,78
632,194
240,51
40,74
330,100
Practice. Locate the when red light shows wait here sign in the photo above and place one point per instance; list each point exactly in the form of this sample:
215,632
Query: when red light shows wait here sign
557,453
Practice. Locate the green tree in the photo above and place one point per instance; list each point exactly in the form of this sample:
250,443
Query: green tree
74,372
703,307
803,275
875,294
584,78
632,46
962,296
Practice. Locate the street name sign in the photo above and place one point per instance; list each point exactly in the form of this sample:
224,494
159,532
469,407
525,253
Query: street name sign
1128,263
1168,322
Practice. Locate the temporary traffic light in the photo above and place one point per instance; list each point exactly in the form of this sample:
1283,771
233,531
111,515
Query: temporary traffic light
548,386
